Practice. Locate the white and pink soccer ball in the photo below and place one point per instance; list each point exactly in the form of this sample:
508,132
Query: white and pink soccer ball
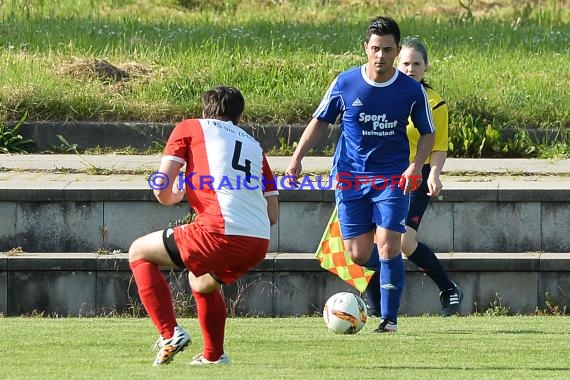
345,313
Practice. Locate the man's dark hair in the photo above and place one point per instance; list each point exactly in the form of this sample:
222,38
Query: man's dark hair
223,102
383,26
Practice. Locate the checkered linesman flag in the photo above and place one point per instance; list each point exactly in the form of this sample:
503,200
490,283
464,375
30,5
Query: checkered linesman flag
335,259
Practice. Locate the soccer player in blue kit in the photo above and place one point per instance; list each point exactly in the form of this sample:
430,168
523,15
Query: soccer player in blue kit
413,61
371,160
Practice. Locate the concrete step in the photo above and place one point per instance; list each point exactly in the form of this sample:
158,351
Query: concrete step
54,203
284,284
454,167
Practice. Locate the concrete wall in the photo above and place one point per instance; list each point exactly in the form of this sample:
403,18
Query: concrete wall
282,285
463,220
516,242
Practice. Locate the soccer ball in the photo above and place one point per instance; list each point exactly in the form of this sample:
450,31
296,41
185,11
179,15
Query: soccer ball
345,313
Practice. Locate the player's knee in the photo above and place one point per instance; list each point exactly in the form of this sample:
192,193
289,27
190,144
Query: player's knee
359,255
389,249
135,251
203,284
408,246
359,260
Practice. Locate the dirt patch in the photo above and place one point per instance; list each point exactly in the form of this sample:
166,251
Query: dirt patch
106,72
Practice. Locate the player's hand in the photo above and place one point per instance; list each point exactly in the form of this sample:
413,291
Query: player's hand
410,179
293,171
434,185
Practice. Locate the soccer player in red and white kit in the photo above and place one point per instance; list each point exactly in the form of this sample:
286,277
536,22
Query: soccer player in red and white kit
229,184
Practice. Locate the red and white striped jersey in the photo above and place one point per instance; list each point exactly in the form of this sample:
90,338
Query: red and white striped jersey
227,176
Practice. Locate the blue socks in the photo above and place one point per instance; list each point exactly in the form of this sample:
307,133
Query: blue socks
372,291
392,281
384,292
372,294
423,257
374,260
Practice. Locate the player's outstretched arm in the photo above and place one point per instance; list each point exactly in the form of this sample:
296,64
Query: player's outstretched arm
316,130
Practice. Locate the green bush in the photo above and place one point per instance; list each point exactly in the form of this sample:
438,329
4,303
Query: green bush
469,136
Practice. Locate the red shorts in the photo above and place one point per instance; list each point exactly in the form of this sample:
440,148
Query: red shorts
226,257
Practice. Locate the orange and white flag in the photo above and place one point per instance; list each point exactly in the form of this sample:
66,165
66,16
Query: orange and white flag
335,259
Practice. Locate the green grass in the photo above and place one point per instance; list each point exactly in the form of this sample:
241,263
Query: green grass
497,64
502,64
474,347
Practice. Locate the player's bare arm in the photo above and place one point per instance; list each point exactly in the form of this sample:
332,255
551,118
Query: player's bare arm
170,195
316,131
437,160
425,146
413,174
272,209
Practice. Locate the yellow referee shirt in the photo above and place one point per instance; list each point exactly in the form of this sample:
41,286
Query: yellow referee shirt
440,115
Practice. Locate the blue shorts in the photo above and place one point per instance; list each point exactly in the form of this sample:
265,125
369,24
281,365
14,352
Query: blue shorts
385,208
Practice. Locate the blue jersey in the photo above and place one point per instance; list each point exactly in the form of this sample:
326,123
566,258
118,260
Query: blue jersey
373,119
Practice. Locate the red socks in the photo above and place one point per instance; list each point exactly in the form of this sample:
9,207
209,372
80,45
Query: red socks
155,296
212,318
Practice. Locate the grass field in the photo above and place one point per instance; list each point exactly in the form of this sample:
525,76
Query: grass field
495,62
474,347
